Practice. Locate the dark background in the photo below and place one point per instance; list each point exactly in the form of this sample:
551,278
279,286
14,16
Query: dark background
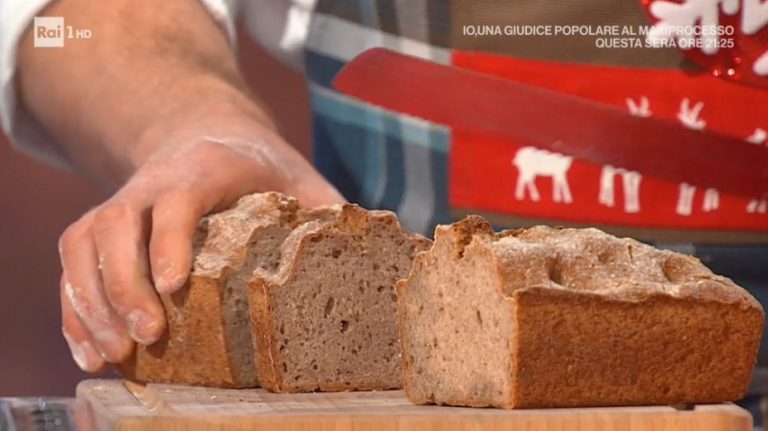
37,202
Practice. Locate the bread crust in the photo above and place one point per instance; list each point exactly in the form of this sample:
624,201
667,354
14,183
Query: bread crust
181,355
579,349
263,326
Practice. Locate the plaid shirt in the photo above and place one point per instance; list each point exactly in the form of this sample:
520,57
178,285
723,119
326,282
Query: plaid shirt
386,159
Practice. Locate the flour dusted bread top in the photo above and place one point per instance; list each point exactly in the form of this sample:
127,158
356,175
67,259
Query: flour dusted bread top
592,261
222,239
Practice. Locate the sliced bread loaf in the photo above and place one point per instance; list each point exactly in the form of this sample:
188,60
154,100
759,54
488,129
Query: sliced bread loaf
326,319
549,317
208,341
321,312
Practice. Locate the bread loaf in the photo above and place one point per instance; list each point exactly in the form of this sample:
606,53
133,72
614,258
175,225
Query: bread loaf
337,269
550,317
208,341
326,320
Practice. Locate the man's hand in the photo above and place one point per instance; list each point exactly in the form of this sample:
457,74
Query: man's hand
138,242
154,106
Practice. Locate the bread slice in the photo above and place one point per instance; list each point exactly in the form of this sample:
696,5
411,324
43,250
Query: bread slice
208,341
326,319
550,317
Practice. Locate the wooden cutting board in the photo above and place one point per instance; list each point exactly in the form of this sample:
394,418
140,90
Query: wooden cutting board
125,406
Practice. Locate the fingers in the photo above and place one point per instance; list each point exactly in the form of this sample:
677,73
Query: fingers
174,221
82,288
83,351
118,234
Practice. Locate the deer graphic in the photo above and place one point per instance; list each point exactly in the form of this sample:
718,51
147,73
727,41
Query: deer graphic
631,184
757,206
685,197
690,116
758,137
641,109
532,163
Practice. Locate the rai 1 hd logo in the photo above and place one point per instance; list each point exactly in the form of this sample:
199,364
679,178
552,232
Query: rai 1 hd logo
50,32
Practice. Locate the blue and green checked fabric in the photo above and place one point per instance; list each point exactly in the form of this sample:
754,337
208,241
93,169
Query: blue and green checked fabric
382,160
377,158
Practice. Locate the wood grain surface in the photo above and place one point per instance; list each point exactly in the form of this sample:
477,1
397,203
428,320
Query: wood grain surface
126,406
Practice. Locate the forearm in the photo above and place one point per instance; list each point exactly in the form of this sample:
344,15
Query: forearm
147,63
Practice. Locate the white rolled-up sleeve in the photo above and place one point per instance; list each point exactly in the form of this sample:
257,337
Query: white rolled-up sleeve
24,132
280,26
